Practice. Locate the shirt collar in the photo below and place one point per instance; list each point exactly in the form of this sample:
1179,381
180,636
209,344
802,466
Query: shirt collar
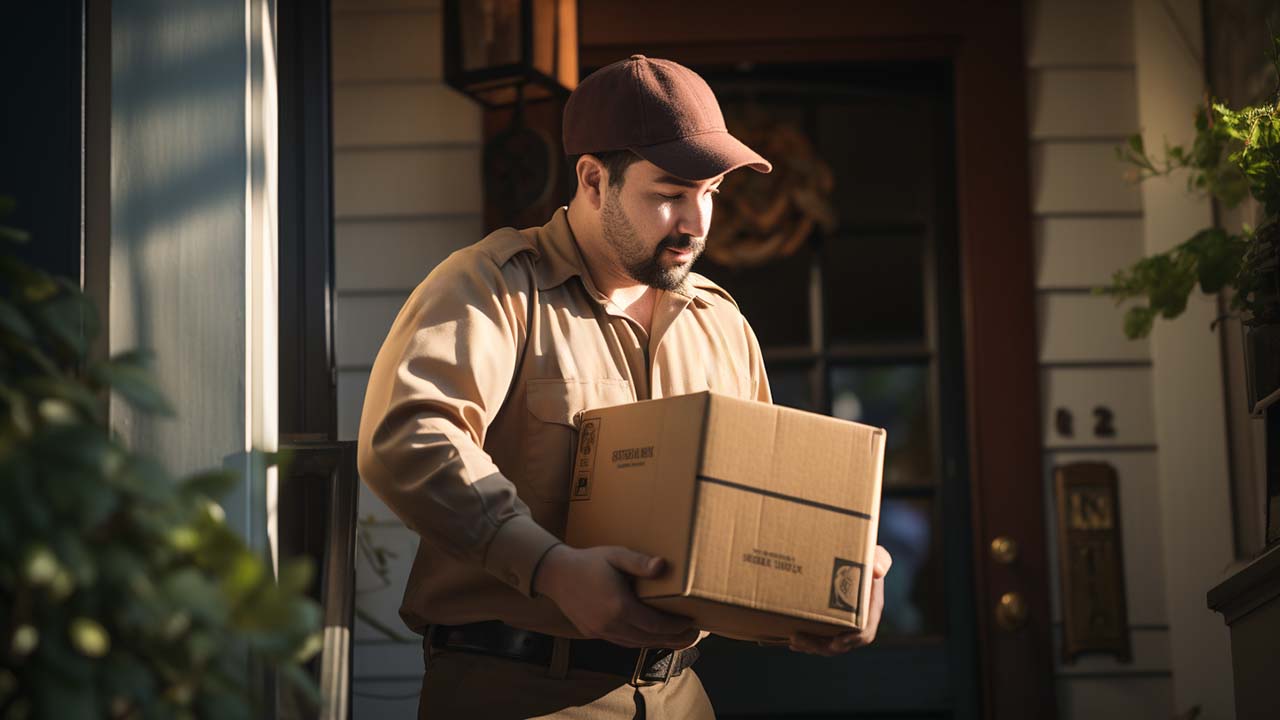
559,258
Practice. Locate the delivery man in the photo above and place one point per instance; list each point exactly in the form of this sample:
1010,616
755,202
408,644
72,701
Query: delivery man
467,430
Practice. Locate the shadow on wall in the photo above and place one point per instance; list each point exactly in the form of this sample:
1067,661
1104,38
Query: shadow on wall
178,227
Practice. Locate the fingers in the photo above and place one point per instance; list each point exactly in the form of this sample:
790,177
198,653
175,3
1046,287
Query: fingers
876,610
655,622
654,628
882,564
824,646
635,563
844,642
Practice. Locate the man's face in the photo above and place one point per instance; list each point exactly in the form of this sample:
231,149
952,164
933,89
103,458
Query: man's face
657,224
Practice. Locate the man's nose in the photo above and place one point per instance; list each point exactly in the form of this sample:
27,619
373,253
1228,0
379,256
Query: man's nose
695,219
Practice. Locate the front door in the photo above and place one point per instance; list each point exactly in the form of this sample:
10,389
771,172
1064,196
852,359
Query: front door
861,320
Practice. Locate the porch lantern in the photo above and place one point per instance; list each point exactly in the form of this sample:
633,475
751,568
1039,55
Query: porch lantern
502,52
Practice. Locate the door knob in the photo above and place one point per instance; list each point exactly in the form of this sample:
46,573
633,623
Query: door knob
1011,612
1004,550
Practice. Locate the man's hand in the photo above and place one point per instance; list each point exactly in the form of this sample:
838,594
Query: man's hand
844,642
593,590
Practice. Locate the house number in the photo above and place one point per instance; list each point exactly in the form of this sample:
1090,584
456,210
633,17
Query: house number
1103,426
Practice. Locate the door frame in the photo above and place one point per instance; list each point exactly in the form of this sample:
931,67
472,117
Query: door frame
983,42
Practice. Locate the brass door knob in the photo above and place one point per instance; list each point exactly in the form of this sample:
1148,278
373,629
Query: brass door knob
1004,550
1011,612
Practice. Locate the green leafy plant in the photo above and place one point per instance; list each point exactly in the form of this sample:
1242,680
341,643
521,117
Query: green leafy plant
123,593
1235,154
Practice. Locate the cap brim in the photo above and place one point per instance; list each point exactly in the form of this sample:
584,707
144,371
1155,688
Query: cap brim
703,156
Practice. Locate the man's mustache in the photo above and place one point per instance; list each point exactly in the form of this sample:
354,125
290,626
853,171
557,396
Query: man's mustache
679,242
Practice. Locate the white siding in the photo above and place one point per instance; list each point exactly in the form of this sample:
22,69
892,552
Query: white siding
394,254
1078,327
1080,177
1081,103
1079,33
360,324
382,114
1089,223
407,193
406,182
1134,697
1080,391
1083,253
387,46
1187,374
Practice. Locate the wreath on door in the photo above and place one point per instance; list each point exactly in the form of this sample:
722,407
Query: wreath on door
763,218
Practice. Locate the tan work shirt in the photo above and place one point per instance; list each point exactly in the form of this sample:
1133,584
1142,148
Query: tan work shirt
467,431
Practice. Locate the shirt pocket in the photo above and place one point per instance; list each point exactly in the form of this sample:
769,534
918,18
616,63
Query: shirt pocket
549,444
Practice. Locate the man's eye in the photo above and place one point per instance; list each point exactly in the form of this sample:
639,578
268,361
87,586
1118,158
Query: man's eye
669,197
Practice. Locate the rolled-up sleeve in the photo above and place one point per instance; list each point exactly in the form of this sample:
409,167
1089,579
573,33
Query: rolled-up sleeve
443,372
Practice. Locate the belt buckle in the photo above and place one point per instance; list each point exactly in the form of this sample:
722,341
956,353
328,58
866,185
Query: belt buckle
637,675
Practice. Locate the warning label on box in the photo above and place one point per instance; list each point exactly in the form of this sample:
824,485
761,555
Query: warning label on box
583,467
846,585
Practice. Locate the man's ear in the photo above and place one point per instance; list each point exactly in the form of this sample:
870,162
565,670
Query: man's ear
592,177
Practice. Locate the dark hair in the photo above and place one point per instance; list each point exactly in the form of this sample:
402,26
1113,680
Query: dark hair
615,162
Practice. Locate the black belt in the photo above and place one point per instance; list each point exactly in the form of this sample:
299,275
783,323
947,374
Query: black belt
646,666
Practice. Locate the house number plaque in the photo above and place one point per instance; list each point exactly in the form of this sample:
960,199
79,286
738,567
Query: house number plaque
1090,562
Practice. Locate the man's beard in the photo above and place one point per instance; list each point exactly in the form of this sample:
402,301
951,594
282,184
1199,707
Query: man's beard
645,268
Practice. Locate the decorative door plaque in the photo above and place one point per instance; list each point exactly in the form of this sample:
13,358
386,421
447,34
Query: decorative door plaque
1090,559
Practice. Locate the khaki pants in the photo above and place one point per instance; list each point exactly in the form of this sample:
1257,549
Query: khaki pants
468,685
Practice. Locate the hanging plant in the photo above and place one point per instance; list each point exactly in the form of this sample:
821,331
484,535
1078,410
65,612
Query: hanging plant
1235,154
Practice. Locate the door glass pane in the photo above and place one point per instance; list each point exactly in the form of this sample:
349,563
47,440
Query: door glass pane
881,151
791,386
913,592
773,297
874,287
896,398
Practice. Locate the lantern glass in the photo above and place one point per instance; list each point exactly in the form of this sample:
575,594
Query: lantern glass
491,34
555,40
502,51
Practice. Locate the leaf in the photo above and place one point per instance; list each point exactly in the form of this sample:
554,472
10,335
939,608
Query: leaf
213,484
146,478
13,321
296,575
123,674
59,698
129,374
63,317
65,389
188,588
245,573
1137,322
19,413
14,235
219,703
1220,259
301,682
89,637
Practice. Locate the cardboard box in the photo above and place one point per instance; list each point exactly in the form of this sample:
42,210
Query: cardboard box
766,515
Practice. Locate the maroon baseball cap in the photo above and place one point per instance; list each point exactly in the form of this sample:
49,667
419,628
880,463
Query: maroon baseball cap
660,110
